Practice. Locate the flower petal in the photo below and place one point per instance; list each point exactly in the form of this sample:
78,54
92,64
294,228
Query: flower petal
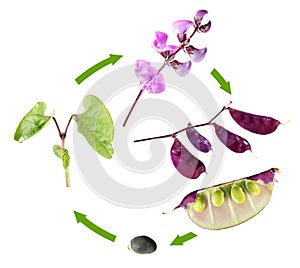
160,42
195,53
199,16
143,70
156,85
205,28
181,69
168,51
180,27
149,77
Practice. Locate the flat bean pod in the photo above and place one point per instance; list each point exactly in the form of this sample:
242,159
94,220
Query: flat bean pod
199,141
187,164
258,124
231,203
232,141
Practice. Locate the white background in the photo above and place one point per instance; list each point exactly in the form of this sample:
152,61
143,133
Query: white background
45,45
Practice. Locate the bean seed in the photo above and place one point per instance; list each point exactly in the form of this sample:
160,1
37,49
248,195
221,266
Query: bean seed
142,245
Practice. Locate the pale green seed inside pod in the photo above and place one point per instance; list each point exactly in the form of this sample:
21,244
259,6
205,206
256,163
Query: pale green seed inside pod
199,204
218,198
238,194
253,188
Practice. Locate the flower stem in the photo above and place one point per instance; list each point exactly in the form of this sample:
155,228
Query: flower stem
132,107
184,129
167,60
141,90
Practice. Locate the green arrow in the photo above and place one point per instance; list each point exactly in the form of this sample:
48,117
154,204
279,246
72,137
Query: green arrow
82,218
223,84
179,240
111,60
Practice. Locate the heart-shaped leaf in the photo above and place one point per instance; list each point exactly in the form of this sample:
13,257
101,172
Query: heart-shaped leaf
96,125
32,122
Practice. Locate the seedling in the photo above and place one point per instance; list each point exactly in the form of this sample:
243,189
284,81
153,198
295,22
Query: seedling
95,124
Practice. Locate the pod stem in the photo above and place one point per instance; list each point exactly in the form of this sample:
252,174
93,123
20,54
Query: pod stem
184,129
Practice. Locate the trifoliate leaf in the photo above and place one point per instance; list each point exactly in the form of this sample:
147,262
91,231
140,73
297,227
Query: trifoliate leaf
96,125
32,122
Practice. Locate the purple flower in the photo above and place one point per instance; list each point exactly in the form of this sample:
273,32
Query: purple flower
198,19
149,77
205,27
159,44
196,54
180,27
199,16
181,69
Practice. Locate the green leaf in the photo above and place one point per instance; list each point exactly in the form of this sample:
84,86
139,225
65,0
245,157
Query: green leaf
96,125
63,154
57,150
65,159
32,122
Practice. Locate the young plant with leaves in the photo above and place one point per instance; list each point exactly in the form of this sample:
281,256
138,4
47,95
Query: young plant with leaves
95,124
152,79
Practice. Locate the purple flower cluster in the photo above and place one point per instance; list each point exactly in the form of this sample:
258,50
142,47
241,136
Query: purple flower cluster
151,78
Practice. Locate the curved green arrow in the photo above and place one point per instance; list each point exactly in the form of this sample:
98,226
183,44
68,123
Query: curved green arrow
223,83
111,60
179,240
82,218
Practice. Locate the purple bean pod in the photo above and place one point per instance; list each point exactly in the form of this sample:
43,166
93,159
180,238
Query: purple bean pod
232,141
187,164
199,142
258,124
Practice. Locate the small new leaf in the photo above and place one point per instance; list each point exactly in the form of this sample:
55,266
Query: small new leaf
96,125
65,158
32,122
57,150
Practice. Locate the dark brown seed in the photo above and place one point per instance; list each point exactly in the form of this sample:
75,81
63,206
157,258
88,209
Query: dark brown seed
142,245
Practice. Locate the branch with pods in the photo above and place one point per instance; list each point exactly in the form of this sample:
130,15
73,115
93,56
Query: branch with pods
191,167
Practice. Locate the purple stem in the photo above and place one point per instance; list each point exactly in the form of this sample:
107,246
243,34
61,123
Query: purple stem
63,136
184,129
